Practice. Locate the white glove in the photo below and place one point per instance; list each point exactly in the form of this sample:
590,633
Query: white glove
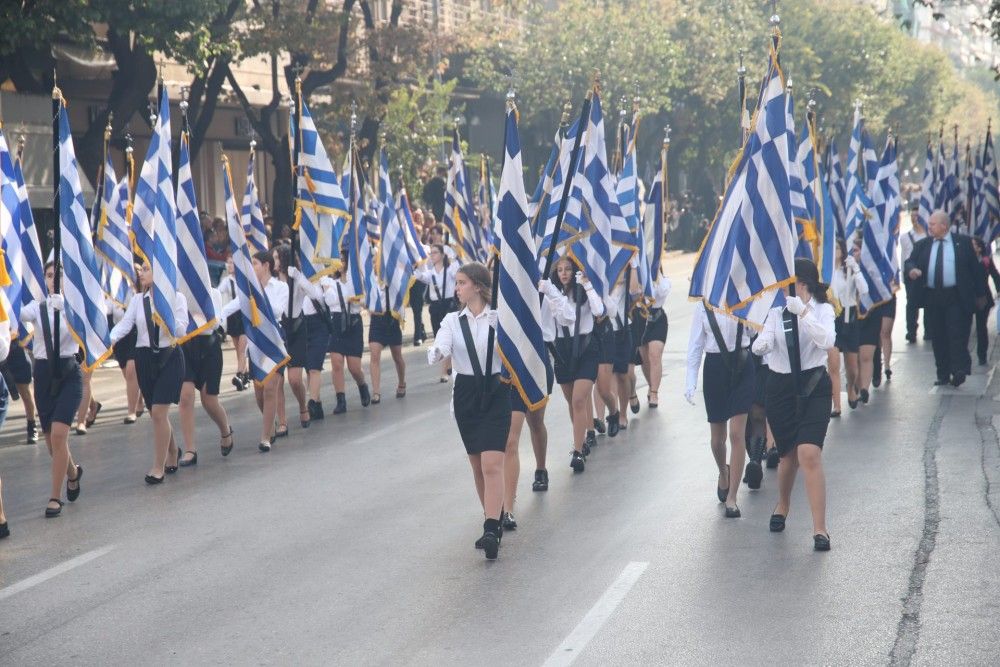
581,279
433,356
794,305
292,272
546,287
761,347
689,395
493,317
55,301
851,263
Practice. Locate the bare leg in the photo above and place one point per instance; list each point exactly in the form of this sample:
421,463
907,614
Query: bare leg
297,382
655,365
27,400
492,466
718,444
186,411
644,358
81,412
567,390
605,380
833,367
539,436
477,477
624,390
810,458
162,437
512,461
375,367
886,336
866,357
737,455
62,461
581,411
132,394
354,367
787,468
240,345
216,412
598,401
315,381
337,372
400,363
851,371
269,394
279,402
3,517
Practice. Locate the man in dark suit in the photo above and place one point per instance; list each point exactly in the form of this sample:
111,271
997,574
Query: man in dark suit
948,282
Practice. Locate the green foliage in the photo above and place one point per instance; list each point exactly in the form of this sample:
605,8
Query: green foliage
414,123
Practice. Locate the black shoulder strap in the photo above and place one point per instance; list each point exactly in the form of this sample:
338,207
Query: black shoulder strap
577,289
713,324
792,342
343,308
291,297
470,345
435,282
43,311
151,328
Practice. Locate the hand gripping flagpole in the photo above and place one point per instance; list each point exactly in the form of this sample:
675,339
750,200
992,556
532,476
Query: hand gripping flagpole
568,182
56,223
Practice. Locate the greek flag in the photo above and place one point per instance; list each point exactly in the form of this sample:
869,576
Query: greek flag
941,179
624,238
747,255
459,218
395,266
927,190
988,223
81,285
192,264
836,188
859,204
880,234
357,235
12,264
974,190
542,196
113,244
552,191
655,219
414,248
519,334
953,188
32,275
253,215
593,210
156,231
487,213
321,210
264,345
825,260
804,214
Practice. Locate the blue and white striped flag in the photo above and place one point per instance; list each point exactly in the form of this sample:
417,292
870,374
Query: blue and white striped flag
879,235
192,264
32,274
859,202
836,188
538,205
825,261
10,234
988,223
264,345
321,209
974,191
954,205
395,266
519,333
459,218
253,215
941,178
81,285
552,192
154,219
357,235
926,206
413,245
748,253
113,244
624,235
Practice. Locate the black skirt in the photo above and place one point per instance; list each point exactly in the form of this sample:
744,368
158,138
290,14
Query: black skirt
725,395
438,310
623,350
62,406
656,327
125,348
798,421
870,328
584,367
203,362
234,325
517,403
604,335
483,424
638,326
385,330
889,309
18,364
319,341
347,340
760,372
296,335
161,374
848,333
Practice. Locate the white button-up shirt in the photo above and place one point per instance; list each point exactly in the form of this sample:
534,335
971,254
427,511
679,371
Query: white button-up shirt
702,340
32,314
450,342
135,316
816,336
441,281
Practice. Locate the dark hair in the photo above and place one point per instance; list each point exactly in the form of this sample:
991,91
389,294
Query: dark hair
445,261
843,251
807,274
480,277
265,257
569,288
285,258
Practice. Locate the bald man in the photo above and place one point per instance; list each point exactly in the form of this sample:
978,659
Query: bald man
949,285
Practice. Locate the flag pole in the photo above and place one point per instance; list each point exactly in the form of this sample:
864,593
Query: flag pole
296,150
567,182
741,76
56,222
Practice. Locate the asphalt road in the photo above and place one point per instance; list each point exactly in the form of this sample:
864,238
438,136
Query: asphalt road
352,542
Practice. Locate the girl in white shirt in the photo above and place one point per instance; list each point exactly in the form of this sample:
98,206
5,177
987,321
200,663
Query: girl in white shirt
269,395
847,286
346,337
439,276
58,389
234,328
481,403
159,365
798,408
653,339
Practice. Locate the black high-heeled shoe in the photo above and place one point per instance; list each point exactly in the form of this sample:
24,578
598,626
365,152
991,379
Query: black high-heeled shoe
491,538
723,493
4,530
863,396
733,512
541,482
599,426
152,479
73,494
193,461
232,442
821,542
613,425
577,462
777,523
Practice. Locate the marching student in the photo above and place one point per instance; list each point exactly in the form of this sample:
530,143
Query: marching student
575,351
295,324
319,324
17,367
160,369
480,402
623,344
439,276
269,396
653,339
4,404
603,394
124,354
346,337
798,394
384,331
203,373
728,388
869,333
234,328
58,389
847,286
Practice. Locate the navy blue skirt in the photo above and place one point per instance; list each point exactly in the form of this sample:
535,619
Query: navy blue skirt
296,337
385,329
203,362
584,367
725,395
18,364
318,343
60,406
483,413
160,374
347,340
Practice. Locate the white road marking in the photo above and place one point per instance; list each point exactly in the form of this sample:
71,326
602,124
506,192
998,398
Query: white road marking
573,645
52,572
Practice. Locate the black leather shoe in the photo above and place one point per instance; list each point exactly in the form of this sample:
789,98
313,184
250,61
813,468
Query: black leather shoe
755,473
911,338
834,414
733,512
888,374
341,404
613,425
193,461
589,443
863,396
541,482
73,494
32,432
97,410
577,462
853,404
599,426
264,446
4,530
958,380
821,542
492,531
507,521
53,511
773,458
940,383
366,397
723,493
777,523
150,479
225,449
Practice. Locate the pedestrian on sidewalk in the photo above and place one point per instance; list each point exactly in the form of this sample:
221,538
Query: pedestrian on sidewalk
160,369
799,393
951,287
983,313
480,402
728,388
58,389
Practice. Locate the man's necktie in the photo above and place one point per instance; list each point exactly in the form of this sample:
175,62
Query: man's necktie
939,265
